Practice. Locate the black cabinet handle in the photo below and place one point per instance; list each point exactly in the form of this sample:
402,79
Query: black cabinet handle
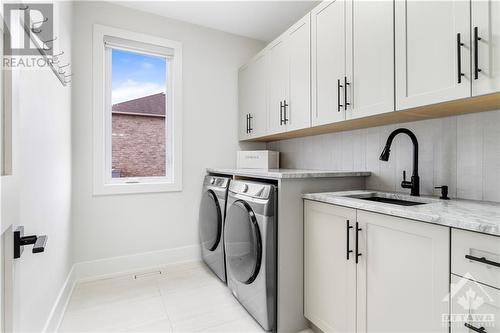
348,227
358,229
285,118
482,260
475,329
339,106
459,59
345,93
246,119
476,53
250,129
281,113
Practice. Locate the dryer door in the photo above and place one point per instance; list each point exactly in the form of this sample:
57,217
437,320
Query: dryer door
243,242
210,221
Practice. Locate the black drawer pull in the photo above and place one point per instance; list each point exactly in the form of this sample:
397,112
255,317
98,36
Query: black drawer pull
357,254
476,53
339,106
475,329
482,260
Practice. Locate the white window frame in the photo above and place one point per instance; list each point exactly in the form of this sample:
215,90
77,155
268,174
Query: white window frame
104,184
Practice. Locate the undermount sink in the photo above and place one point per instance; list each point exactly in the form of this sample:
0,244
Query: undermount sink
392,198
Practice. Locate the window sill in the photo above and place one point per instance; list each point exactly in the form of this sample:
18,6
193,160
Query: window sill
136,188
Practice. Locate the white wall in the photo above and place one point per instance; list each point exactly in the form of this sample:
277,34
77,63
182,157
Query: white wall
108,226
462,152
44,169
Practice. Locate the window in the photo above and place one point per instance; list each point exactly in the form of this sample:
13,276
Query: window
137,113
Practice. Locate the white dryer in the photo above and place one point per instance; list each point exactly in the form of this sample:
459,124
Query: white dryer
250,242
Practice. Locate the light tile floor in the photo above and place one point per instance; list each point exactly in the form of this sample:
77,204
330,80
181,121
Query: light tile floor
184,298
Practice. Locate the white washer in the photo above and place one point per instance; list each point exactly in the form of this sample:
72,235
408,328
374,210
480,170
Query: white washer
211,223
250,243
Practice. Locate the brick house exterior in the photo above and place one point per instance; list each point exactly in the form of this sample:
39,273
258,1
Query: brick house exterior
138,139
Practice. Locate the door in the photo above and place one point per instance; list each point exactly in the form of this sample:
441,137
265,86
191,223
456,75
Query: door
329,269
210,221
404,270
277,69
477,303
485,47
429,57
298,112
370,58
328,62
243,243
252,98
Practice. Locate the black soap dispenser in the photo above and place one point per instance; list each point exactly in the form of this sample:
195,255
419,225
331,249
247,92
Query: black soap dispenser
444,192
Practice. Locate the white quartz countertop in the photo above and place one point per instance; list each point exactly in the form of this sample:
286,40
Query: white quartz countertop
288,173
480,216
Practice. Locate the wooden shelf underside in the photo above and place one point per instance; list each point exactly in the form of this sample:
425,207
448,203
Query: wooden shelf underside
440,110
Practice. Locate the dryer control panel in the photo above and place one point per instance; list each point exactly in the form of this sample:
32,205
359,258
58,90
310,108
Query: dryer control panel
251,189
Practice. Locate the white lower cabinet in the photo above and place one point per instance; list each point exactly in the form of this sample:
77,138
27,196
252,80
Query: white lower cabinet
399,282
329,278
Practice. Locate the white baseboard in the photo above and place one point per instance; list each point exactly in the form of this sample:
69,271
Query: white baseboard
104,268
57,312
115,266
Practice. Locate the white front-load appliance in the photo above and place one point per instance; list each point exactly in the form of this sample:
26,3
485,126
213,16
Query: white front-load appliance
211,223
250,243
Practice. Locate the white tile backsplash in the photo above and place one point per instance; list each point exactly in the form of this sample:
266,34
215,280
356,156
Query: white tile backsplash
462,152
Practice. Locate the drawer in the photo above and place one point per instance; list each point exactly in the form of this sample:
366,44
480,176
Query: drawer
474,306
477,255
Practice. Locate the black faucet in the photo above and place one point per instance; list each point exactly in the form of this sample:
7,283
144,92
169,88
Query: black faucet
414,183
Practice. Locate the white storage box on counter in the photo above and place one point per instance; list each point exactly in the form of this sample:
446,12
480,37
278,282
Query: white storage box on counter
258,159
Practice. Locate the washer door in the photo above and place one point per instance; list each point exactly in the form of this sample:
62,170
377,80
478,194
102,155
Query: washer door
243,242
210,221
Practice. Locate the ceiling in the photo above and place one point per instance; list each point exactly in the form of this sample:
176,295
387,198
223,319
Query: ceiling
262,20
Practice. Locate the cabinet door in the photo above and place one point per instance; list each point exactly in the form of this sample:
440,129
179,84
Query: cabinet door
252,99
427,67
403,275
370,57
329,278
277,69
477,303
328,61
298,113
486,50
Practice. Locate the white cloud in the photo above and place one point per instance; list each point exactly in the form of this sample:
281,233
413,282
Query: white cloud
131,89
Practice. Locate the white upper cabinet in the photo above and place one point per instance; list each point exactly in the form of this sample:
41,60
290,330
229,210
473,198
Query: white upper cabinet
485,46
277,72
430,57
252,99
369,58
298,43
328,62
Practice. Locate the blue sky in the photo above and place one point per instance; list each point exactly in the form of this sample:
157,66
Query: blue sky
136,75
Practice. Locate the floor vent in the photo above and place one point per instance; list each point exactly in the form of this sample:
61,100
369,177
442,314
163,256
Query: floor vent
146,275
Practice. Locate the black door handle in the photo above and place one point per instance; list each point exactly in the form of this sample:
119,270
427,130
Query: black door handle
250,129
476,53
459,59
482,260
475,329
285,118
339,106
281,113
345,93
348,227
39,242
358,229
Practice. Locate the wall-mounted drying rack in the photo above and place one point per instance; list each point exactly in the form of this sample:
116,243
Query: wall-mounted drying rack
32,29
